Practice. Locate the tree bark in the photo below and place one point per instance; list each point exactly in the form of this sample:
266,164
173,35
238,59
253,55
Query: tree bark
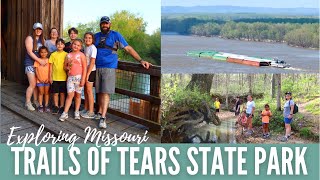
250,80
227,89
278,77
273,87
201,81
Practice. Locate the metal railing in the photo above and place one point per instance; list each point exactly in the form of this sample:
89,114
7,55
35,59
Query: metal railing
137,96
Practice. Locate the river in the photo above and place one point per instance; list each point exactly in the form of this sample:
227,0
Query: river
175,60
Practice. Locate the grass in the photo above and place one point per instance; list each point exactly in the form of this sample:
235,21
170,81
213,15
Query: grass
314,107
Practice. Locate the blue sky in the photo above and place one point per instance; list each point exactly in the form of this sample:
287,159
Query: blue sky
248,3
76,11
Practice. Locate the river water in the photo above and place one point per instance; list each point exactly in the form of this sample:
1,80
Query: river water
224,133
175,60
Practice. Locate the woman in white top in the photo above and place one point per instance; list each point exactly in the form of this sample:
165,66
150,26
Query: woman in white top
91,52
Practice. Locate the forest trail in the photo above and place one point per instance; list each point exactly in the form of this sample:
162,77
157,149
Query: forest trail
310,119
226,115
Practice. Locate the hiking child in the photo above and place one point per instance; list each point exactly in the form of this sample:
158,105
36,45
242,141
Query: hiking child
76,65
242,120
90,52
58,77
42,73
217,105
266,114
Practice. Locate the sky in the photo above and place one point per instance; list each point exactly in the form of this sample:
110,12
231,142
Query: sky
82,11
247,3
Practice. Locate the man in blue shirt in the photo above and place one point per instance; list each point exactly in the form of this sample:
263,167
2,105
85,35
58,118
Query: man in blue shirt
107,43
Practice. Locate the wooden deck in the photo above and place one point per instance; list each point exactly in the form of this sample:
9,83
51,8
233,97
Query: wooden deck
13,98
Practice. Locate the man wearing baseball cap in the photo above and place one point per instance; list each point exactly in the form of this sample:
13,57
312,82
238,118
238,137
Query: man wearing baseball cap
108,42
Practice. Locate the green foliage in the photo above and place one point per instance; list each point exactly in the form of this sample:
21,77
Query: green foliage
314,107
296,31
175,96
132,27
305,132
304,87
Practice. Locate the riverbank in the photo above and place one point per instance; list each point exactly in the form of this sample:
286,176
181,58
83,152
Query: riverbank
175,47
254,40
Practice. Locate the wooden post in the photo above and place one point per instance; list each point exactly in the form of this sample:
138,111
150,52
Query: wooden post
155,91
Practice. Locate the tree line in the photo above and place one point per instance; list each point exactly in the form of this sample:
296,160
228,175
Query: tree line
304,32
133,29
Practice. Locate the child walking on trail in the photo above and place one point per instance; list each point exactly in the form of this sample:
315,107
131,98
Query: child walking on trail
58,77
76,65
266,114
91,52
217,105
42,73
242,120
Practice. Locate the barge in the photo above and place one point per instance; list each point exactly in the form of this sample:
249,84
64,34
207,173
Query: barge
239,59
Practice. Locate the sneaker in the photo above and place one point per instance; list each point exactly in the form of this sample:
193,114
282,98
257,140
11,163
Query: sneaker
88,115
29,106
268,135
63,116
47,109
36,103
284,139
98,116
77,115
102,123
82,112
40,109
55,110
264,136
61,110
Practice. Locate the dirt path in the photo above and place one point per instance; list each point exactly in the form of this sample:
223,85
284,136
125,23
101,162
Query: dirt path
311,119
226,115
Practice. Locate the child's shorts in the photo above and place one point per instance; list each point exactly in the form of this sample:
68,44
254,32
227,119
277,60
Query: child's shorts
42,84
92,77
59,87
73,84
249,115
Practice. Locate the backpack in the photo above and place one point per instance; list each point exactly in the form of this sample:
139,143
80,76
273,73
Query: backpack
295,108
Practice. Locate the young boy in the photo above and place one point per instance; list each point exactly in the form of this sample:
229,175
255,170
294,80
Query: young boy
73,34
266,114
58,76
217,105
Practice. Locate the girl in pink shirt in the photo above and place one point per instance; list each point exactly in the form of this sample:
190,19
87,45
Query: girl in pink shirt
76,66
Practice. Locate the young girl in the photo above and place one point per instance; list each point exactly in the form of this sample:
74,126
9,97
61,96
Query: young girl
42,72
266,114
242,120
91,52
76,65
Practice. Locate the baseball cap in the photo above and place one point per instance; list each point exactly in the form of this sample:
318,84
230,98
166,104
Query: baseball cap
105,19
37,25
288,93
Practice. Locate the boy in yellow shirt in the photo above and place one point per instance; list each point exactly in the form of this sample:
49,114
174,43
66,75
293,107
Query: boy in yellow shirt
217,105
58,76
